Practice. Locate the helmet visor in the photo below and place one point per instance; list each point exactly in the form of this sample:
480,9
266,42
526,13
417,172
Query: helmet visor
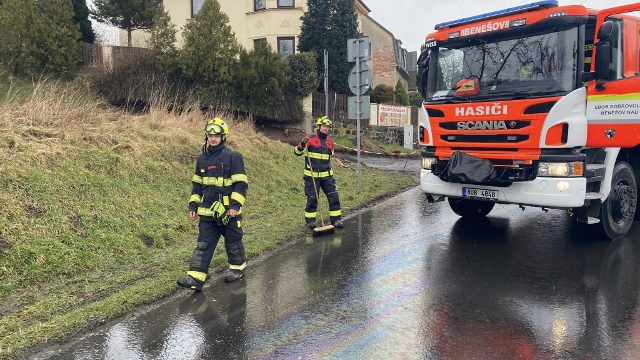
213,129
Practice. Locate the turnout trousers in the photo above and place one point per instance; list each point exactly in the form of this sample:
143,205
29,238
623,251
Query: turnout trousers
210,232
330,189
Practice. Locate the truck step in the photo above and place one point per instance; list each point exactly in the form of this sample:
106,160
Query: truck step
594,196
594,170
593,220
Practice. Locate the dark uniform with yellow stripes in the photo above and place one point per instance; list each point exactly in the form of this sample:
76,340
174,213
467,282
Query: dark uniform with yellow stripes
219,178
319,150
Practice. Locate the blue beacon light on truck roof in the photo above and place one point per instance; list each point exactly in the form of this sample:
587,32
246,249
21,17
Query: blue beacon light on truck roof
514,10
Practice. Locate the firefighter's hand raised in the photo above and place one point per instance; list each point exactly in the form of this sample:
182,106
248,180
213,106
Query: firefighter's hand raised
303,143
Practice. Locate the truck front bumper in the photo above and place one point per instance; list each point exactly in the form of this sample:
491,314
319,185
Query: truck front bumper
543,191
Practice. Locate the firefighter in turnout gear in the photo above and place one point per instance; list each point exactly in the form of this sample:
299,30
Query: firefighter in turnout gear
219,190
319,150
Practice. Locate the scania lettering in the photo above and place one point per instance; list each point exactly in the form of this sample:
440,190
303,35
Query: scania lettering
482,125
535,105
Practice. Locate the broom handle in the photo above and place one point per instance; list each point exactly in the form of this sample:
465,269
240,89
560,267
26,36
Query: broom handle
306,150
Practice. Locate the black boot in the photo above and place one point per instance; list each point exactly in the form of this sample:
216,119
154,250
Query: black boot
233,275
338,224
311,224
190,283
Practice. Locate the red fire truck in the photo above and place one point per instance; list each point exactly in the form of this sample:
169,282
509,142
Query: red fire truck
535,105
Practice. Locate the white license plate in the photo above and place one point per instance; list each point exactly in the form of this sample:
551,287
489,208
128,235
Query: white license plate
480,193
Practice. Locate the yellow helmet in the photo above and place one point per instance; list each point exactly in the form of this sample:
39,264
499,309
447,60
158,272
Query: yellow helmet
216,126
323,121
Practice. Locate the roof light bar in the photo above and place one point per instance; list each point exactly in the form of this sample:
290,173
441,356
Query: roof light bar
509,11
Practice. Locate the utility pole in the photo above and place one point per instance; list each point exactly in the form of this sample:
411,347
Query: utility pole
326,83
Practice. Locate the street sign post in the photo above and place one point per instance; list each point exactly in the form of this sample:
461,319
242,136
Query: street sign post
365,79
363,51
359,51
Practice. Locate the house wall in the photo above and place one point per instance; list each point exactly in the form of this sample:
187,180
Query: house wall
273,22
269,24
383,64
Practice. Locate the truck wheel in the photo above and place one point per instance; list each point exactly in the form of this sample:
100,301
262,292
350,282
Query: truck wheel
618,211
470,208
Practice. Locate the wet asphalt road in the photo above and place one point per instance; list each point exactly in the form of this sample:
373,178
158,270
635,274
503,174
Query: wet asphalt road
405,280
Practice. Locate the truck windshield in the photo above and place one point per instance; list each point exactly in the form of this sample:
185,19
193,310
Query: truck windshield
478,70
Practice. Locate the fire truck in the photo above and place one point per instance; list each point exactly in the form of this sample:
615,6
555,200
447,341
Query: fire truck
535,105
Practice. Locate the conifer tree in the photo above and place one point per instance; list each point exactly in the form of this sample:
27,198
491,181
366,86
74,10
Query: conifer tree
17,42
209,53
260,80
81,18
328,25
401,95
57,35
127,14
163,42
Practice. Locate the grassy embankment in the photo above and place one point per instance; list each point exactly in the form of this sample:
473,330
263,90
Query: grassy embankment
94,218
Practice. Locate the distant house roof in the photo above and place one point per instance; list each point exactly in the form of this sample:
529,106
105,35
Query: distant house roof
364,5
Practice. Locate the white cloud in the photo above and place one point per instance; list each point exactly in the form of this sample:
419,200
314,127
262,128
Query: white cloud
411,20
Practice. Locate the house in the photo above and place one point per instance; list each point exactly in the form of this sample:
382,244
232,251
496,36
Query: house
278,22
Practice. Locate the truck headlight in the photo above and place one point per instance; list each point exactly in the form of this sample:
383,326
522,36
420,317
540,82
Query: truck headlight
561,169
427,163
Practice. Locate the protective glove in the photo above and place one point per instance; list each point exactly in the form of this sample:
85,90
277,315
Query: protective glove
303,143
220,214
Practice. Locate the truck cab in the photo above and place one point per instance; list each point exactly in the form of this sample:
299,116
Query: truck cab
534,105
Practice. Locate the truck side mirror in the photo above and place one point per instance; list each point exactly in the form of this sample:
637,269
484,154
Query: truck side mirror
605,31
603,54
603,62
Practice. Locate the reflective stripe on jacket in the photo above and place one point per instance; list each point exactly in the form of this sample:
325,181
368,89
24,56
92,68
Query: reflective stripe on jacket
219,176
319,151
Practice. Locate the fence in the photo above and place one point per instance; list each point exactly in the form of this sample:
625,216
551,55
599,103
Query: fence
91,55
97,55
338,105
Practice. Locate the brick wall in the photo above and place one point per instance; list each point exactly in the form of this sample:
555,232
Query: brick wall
384,68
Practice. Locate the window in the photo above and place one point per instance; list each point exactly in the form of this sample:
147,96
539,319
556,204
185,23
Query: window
259,5
617,54
196,5
286,3
534,64
286,46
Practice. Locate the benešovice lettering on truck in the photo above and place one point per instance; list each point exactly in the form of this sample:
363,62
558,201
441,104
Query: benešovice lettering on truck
535,105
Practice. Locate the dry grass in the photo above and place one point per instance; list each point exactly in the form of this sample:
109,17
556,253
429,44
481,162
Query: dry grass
93,218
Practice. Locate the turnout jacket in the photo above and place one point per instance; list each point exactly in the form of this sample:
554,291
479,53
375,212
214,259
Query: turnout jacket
320,150
219,176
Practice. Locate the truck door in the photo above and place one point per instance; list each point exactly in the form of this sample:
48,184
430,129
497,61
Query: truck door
613,99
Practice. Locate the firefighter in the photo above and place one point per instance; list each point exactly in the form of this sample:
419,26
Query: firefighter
319,150
218,193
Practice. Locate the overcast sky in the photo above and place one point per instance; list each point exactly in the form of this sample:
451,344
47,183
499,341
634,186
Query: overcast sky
411,20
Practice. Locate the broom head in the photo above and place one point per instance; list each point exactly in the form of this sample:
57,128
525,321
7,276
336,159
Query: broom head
323,230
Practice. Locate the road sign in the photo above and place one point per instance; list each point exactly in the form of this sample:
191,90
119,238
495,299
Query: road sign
365,107
365,79
363,49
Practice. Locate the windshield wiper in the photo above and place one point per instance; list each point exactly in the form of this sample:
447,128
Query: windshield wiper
524,94
451,99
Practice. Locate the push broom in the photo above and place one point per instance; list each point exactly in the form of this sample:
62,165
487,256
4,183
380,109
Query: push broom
324,229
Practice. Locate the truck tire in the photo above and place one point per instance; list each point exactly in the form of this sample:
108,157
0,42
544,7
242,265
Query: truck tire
618,211
470,208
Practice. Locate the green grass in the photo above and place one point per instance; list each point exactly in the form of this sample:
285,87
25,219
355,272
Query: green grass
94,210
